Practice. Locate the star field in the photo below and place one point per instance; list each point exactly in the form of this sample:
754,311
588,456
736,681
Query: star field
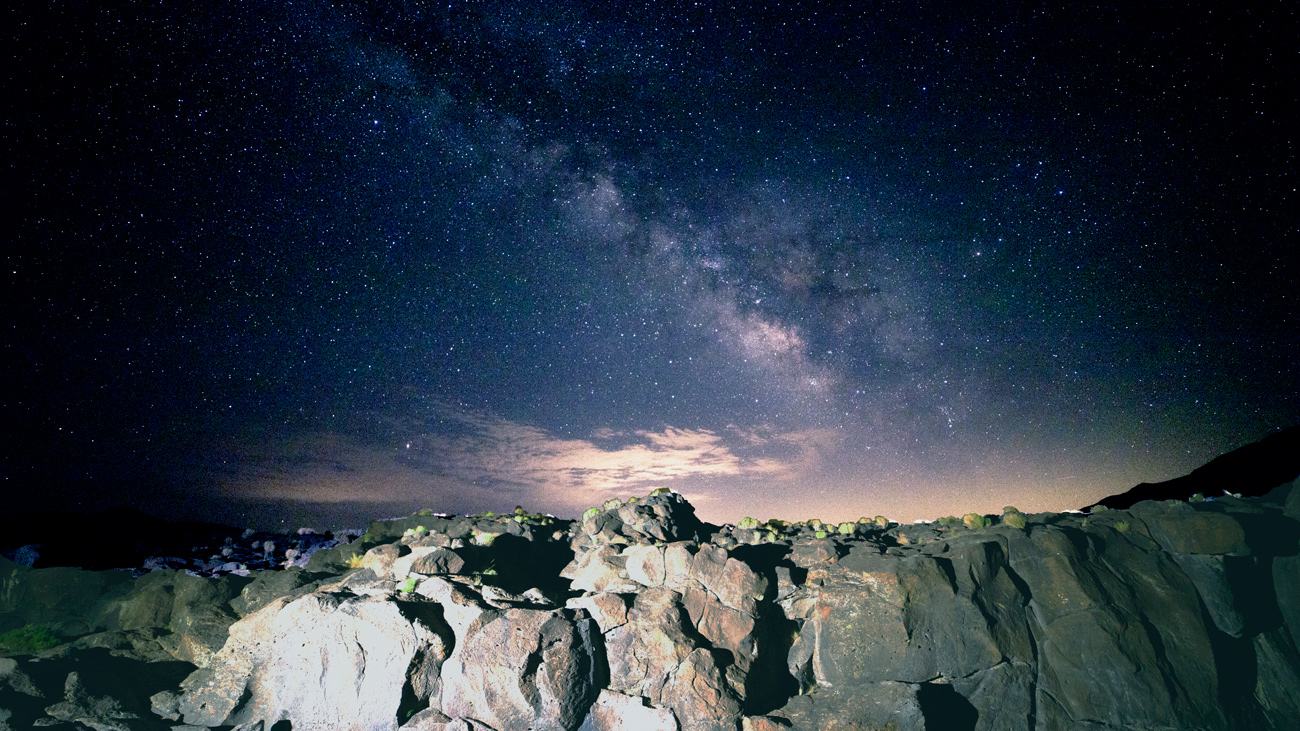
321,262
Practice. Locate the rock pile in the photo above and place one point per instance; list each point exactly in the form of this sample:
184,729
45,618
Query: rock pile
639,616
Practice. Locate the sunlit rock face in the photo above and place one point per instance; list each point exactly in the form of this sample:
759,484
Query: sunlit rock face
1166,615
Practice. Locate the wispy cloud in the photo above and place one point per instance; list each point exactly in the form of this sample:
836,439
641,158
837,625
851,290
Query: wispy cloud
474,460
509,453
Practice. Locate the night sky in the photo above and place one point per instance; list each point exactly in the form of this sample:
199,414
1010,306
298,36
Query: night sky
313,263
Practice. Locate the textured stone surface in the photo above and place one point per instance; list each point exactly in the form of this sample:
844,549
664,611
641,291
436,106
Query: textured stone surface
524,669
886,706
324,661
602,569
618,712
1180,528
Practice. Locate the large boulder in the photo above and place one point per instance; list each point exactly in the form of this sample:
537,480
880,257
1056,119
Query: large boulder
1119,630
886,618
67,600
664,517
267,586
148,605
201,616
524,668
656,656
332,659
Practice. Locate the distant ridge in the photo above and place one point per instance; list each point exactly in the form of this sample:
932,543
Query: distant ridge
1252,471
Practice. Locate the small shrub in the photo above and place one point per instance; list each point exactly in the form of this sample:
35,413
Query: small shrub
974,521
1197,498
1121,525
820,534
846,529
425,511
29,639
485,575
815,524
747,522
590,513
660,491
612,504
408,585
355,560
1100,509
1015,520
948,521
881,521
1010,509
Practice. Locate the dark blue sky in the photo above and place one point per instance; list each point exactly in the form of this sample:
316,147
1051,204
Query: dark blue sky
319,262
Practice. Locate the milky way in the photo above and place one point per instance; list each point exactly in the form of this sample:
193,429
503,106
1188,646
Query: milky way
312,262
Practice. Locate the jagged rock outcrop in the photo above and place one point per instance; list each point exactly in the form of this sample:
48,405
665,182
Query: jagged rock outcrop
347,656
1170,614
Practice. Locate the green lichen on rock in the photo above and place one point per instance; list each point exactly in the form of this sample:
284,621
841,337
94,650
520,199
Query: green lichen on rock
29,639
590,513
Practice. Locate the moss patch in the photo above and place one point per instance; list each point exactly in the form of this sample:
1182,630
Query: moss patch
29,639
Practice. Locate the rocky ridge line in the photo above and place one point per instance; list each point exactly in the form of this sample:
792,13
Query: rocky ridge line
639,616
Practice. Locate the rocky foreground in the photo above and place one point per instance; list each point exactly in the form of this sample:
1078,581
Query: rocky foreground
1167,615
